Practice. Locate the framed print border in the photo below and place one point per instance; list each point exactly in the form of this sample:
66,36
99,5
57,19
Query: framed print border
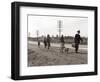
15,40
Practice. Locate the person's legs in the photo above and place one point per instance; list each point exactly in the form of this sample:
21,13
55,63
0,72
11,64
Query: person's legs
39,44
48,45
62,47
45,44
76,47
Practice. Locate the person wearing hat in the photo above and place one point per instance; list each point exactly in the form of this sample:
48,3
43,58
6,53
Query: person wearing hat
77,40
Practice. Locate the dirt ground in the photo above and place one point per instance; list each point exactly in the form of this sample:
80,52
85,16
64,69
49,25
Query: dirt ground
44,57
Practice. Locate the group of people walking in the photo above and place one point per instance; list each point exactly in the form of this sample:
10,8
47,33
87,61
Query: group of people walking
46,42
77,40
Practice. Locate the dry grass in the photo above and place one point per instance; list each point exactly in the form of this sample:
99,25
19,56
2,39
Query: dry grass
44,57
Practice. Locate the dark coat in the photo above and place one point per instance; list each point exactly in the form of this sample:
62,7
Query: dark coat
48,39
62,40
45,41
77,38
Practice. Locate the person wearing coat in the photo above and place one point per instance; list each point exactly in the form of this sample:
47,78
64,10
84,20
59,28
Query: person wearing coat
77,41
48,41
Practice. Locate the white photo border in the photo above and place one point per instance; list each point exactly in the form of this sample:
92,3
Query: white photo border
26,71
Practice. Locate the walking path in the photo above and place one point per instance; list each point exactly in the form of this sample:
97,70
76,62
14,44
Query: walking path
83,47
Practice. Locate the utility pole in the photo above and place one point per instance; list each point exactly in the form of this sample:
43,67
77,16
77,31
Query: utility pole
29,34
37,33
59,28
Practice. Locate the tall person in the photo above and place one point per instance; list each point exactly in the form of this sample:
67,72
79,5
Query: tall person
77,41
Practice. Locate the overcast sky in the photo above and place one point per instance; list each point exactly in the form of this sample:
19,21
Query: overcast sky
49,25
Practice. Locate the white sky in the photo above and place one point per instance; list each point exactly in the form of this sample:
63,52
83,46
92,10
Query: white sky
49,25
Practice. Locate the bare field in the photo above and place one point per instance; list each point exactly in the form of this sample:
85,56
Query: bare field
44,57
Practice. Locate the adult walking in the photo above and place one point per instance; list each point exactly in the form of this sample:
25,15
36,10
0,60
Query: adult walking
77,41
45,42
48,41
62,43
